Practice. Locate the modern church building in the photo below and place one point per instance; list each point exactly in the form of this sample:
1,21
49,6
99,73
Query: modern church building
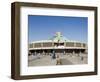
57,44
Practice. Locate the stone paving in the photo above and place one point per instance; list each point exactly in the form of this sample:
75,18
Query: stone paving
46,60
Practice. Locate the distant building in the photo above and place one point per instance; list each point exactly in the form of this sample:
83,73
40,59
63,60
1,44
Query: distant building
57,44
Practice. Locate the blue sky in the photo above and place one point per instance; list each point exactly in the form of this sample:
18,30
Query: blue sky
44,27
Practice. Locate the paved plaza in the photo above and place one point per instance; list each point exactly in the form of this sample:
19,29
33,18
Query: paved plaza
47,60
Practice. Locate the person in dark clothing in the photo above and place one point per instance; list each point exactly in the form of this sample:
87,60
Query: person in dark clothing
53,55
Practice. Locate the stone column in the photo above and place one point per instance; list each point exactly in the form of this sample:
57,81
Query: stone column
64,44
74,44
41,45
52,44
33,45
81,44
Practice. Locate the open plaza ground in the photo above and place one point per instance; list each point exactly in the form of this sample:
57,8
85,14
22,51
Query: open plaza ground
47,60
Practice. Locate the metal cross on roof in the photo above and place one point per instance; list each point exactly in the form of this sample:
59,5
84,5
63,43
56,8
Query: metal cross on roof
59,37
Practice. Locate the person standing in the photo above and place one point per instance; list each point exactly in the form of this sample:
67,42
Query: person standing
53,55
58,60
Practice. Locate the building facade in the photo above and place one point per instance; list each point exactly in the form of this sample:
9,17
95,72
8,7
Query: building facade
57,44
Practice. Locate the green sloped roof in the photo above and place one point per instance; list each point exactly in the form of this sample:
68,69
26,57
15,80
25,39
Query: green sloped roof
59,37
